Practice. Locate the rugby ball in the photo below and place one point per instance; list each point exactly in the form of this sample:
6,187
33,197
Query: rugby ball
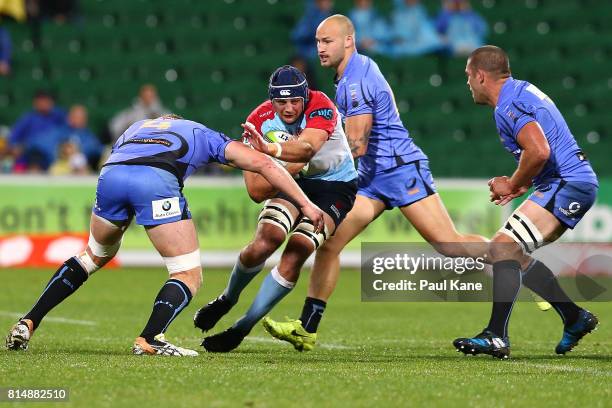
277,136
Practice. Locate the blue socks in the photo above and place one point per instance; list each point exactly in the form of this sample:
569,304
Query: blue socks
239,279
173,297
67,279
272,290
506,286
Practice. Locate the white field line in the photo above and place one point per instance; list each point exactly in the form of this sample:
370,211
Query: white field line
567,369
52,319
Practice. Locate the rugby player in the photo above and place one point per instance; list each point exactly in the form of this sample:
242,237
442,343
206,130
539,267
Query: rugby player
393,173
308,119
143,178
533,130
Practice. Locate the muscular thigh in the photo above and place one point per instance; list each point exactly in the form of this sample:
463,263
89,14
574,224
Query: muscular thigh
430,218
107,232
174,239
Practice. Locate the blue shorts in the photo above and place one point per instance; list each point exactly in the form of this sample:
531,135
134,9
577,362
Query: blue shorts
400,186
152,195
566,200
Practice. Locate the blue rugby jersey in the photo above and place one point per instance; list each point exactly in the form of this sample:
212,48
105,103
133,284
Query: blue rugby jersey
520,103
363,89
177,145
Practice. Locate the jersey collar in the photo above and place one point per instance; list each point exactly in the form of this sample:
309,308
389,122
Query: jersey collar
347,69
505,91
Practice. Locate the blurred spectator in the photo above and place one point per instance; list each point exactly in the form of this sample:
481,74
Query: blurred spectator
304,66
59,11
464,29
31,133
147,106
6,159
5,51
303,35
77,132
69,160
372,31
14,8
413,32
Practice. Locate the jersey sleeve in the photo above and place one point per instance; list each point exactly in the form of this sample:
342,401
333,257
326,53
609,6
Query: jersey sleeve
217,142
321,113
514,117
359,97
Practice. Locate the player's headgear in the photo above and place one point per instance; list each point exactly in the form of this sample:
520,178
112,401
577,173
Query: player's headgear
288,82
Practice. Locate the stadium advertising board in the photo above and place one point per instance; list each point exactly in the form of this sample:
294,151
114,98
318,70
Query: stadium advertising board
224,215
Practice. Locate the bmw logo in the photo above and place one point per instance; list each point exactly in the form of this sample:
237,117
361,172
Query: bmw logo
166,205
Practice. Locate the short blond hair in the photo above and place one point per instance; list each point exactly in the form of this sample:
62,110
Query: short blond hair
343,21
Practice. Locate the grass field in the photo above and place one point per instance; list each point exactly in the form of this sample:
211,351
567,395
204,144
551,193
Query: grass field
387,354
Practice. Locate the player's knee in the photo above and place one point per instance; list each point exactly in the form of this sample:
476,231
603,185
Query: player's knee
192,278
282,278
97,255
103,252
501,248
306,230
262,247
90,263
187,266
298,249
329,249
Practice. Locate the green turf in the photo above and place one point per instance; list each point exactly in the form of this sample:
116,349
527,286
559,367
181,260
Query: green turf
387,354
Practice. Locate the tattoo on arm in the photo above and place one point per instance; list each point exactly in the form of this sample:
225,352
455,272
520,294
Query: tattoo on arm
356,144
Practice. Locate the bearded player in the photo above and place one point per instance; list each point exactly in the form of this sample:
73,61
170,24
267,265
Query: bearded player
316,151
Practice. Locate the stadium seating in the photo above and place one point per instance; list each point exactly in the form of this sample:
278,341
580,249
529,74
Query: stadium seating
211,61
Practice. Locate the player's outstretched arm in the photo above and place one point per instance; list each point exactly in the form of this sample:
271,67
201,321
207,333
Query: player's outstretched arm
357,129
258,187
248,159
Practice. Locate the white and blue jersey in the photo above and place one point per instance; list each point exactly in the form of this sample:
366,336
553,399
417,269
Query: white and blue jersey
567,185
144,175
333,162
393,170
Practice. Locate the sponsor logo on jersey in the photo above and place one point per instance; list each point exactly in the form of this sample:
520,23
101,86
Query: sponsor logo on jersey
572,209
335,210
149,140
511,115
545,188
325,113
165,208
353,92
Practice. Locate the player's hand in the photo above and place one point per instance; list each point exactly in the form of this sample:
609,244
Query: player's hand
501,187
314,214
506,199
255,138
